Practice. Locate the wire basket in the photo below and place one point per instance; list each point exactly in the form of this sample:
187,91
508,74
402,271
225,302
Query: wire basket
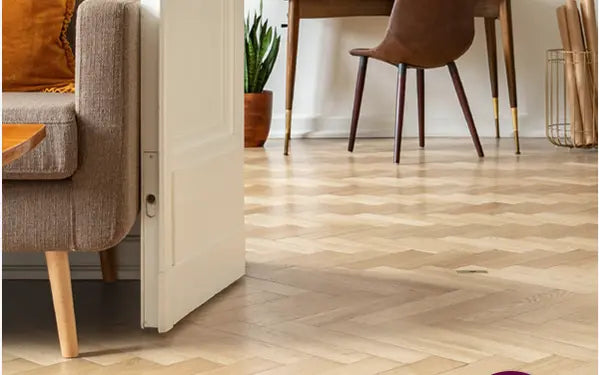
564,70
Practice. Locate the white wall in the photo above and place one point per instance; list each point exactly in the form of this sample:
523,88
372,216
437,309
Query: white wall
326,77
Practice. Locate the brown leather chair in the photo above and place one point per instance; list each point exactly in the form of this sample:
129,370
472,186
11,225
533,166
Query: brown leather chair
422,34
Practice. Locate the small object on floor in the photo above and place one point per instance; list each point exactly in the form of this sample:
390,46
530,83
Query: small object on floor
471,269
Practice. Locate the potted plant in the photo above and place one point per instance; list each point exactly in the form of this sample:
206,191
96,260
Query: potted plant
261,50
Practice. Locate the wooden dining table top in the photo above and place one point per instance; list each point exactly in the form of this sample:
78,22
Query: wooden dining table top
19,139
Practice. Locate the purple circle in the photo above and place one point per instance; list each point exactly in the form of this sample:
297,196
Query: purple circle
510,373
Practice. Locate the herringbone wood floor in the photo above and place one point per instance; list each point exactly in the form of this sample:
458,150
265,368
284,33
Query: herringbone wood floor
353,269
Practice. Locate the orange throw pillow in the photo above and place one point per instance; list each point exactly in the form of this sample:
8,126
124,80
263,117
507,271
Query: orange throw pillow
36,55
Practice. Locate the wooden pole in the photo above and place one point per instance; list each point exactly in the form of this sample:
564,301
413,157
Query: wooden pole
583,84
589,20
571,90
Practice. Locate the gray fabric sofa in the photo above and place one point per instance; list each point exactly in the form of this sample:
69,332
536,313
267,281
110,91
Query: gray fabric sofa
79,189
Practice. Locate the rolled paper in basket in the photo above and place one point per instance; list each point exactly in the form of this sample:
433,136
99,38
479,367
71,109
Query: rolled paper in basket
583,78
589,20
571,91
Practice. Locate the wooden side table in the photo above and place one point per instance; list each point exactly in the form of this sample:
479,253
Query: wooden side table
19,139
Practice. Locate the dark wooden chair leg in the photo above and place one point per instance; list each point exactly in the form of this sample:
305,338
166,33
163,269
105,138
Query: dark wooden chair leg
507,36
459,88
357,102
399,110
108,265
492,57
420,88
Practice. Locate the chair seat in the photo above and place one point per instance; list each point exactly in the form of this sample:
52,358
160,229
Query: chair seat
372,52
55,157
375,54
361,52
396,54
367,52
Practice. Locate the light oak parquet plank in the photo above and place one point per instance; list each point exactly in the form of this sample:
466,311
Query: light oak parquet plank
351,269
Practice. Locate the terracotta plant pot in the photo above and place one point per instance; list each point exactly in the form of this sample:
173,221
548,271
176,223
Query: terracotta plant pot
257,115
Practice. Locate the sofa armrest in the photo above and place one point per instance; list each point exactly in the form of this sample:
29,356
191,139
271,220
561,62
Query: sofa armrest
106,184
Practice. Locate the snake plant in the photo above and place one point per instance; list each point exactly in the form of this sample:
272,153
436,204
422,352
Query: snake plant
261,50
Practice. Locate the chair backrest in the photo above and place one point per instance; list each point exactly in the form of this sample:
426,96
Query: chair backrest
429,33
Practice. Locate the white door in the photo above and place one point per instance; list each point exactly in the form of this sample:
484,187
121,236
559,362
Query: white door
192,160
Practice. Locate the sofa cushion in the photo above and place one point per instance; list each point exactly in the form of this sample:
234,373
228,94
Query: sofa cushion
56,156
35,52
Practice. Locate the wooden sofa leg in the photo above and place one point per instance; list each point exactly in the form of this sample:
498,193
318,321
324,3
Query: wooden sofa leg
59,273
108,264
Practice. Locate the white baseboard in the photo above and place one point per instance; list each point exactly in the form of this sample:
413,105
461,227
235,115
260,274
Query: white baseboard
84,265
310,126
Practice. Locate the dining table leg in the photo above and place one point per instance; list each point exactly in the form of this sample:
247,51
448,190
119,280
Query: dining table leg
491,37
292,42
505,18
